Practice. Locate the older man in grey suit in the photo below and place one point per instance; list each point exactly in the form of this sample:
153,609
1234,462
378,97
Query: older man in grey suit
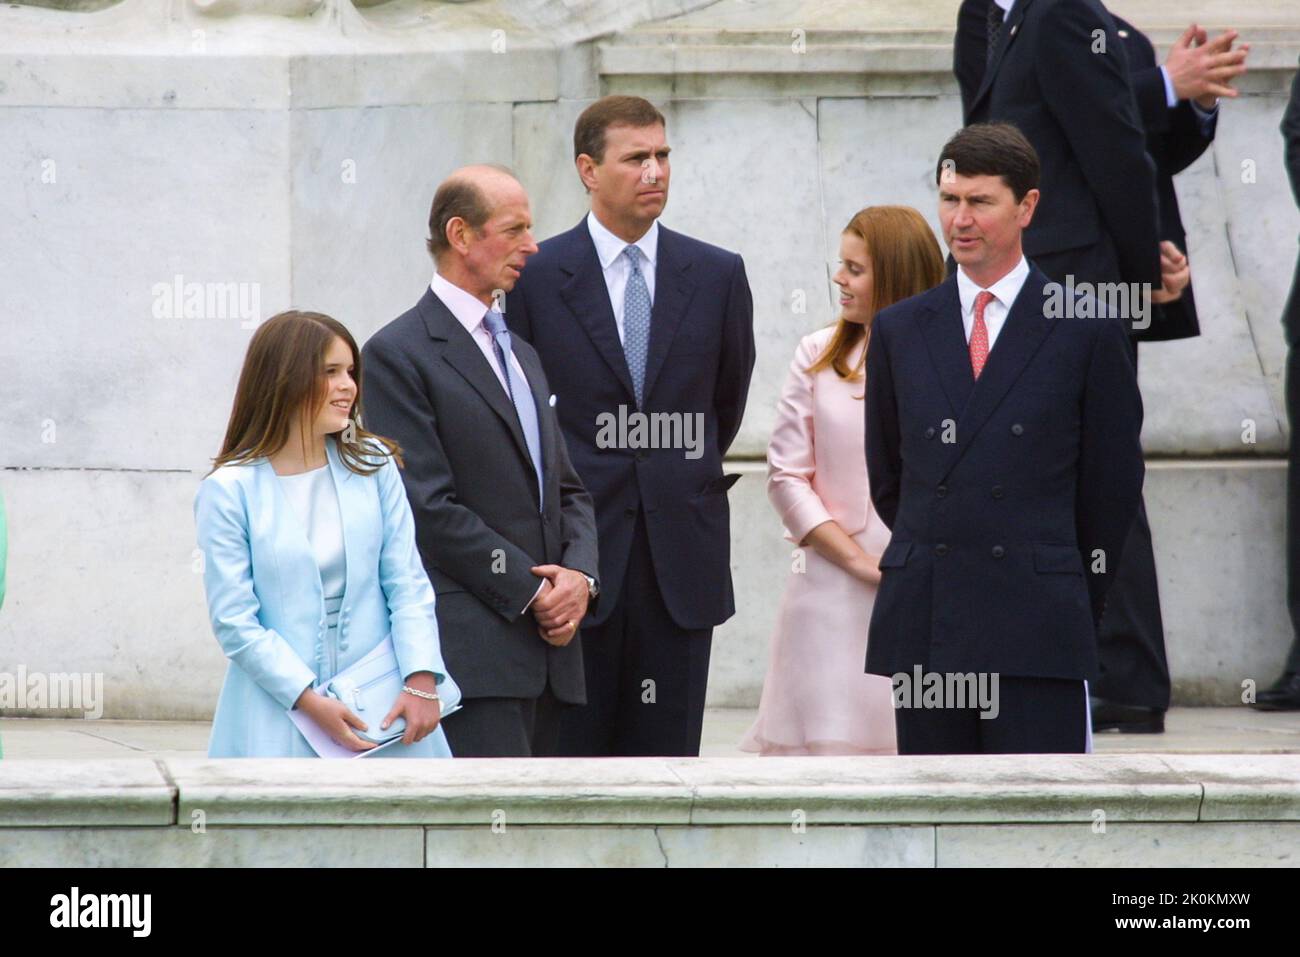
505,528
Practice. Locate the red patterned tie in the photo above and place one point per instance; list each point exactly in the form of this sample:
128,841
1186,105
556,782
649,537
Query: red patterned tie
979,334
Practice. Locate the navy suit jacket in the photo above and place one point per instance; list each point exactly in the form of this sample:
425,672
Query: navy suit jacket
1291,136
998,492
701,355
1097,218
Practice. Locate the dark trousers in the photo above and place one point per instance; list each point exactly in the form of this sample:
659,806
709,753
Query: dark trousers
505,727
1293,494
1034,716
645,676
1131,636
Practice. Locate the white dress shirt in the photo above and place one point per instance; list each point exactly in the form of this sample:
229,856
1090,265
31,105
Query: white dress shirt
617,269
1004,292
469,312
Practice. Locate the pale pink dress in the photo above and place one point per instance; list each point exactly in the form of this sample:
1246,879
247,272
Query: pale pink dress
816,698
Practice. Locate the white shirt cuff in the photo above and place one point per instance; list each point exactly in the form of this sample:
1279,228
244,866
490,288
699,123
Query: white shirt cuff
1171,98
534,598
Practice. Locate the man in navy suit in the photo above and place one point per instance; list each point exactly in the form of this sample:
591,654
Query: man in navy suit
1002,440
647,336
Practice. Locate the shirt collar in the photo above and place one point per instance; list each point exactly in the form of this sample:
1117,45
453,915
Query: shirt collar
609,247
1004,290
466,307
1006,6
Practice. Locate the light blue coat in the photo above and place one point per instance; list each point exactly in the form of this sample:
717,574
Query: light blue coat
267,603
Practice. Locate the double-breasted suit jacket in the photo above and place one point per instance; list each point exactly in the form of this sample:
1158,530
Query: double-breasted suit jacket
1009,498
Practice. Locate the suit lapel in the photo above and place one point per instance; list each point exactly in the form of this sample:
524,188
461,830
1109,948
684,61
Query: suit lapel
587,297
1023,332
673,291
945,337
1005,38
533,372
463,354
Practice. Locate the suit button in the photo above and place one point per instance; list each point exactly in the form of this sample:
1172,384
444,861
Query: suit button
997,491
1017,429
941,491
941,550
629,513
929,433
998,551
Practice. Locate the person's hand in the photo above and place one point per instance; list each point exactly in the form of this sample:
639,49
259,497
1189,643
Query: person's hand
1175,274
1201,69
866,568
559,608
335,719
421,714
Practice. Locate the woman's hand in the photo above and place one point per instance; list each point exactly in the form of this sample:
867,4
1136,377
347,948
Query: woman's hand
335,719
421,714
866,568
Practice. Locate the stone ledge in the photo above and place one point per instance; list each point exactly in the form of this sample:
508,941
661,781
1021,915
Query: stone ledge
84,793
938,790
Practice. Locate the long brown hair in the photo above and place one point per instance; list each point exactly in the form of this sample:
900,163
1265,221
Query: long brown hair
905,261
283,375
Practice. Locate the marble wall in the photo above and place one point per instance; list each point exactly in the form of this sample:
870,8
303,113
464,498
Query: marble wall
170,176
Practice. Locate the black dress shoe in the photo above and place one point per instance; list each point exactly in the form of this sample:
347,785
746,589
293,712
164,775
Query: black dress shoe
1125,718
1283,696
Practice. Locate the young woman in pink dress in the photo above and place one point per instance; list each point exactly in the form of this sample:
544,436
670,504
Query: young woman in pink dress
816,697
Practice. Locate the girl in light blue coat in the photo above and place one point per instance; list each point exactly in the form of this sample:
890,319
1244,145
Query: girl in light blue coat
310,554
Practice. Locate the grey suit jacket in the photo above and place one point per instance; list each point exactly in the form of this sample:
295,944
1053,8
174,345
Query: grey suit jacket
473,492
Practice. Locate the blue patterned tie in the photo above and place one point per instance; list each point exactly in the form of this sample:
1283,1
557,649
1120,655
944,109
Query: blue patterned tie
636,323
520,394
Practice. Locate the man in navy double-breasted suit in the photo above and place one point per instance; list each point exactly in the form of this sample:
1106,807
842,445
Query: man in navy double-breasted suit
647,338
1002,434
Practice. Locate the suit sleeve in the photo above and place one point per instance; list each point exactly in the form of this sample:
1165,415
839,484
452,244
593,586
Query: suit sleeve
1152,98
1110,467
883,447
451,538
1291,137
969,51
736,363
1092,99
263,654
411,617
577,518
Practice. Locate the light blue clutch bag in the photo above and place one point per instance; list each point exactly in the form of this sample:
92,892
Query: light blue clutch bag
370,687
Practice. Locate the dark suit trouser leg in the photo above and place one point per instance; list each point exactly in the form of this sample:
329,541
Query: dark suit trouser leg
1131,636
505,727
1037,716
646,676
1293,495
1030,716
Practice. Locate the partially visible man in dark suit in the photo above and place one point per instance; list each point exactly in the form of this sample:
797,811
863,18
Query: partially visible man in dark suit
1003,451
505,528
1057,71
1284,695
1178,104
635,324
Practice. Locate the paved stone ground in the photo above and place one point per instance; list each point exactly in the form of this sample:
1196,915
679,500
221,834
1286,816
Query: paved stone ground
1188,730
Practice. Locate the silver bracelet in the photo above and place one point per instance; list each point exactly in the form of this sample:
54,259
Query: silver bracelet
426,695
